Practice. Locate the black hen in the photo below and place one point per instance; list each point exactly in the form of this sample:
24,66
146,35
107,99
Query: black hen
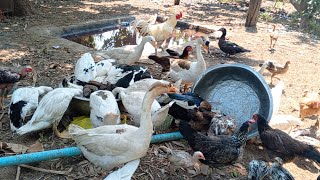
220,150
280,144
184,55
228,47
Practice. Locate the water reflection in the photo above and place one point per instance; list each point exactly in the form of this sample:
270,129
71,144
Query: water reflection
122,36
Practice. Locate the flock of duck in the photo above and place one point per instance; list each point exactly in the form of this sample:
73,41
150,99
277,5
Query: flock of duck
111,142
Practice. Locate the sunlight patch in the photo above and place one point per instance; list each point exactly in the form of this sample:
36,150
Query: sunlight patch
10,54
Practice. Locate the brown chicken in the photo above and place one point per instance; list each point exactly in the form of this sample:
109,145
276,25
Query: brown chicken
309,104
8,77
276,69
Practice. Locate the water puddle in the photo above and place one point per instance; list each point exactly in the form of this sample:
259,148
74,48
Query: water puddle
124,35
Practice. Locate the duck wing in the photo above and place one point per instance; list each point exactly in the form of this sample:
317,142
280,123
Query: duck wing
103,140
235,47
180,64
172,52
119,53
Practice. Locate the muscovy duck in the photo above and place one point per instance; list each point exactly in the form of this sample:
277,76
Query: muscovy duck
184,55
228,47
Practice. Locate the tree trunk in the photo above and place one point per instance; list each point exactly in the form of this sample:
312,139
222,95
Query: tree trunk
23,8
304,21
302,8
253,13
176,2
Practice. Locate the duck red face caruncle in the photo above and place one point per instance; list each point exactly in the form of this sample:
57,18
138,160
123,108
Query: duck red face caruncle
179,16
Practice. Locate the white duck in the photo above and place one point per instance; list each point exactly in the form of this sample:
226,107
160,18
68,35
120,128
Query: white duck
112,145
123,75
85,69
185,70
50,110
195,68
124,173
104,109
104,66
23,102
142,85
128,54
133,101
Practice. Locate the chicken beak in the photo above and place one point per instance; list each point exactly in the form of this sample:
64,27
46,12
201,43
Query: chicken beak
154,44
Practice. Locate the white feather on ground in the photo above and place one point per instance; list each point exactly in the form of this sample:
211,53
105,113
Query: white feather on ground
104,109
124,173
29,96
50,110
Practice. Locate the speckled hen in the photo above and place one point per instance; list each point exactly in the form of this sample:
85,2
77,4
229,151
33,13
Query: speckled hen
220,150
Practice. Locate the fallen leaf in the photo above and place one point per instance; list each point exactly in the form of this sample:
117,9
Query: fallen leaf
11,148
36,147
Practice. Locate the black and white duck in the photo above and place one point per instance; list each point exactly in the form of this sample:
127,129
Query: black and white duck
228,47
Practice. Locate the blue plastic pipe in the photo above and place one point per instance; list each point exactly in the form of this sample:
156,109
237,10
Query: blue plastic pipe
68,152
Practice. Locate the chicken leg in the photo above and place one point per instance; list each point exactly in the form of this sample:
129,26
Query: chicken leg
275,40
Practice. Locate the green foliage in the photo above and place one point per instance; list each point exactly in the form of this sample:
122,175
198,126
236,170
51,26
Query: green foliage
294,18
313,8
265,17
314,27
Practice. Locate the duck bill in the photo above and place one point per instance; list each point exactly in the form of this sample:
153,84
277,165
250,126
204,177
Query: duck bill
154,44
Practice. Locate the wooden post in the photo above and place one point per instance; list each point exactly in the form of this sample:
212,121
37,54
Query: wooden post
253,13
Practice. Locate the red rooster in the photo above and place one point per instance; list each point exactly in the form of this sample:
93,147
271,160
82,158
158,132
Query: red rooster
160,32
8,77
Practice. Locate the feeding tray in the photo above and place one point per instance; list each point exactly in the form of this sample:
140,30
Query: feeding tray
236,90
81,105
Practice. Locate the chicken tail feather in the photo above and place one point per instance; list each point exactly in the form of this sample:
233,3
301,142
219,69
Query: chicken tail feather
187,132
313,154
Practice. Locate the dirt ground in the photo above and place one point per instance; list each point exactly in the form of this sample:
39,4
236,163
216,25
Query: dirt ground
20,44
